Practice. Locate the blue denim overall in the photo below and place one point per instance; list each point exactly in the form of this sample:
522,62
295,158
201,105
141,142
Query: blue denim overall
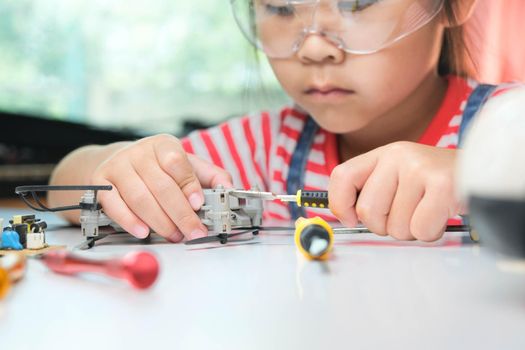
297,169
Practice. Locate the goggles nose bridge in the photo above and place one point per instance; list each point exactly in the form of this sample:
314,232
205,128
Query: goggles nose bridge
321,10
312,30
318,16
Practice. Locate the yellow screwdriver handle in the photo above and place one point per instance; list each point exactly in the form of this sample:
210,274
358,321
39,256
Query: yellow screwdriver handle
314,238
314,199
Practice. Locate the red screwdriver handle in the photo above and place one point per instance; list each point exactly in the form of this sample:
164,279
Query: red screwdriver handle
140,269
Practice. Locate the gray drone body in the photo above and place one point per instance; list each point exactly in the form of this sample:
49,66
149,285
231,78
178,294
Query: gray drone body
223,211
92,217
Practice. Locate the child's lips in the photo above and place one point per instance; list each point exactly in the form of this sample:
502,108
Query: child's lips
328,93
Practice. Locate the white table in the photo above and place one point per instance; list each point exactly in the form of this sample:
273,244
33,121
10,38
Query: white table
374,293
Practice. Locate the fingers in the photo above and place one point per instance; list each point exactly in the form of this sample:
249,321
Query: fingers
429,220
375,200
156,186
431,215
143,204
115,207
174,161
402,189
407,197
209,174
172,202
346,181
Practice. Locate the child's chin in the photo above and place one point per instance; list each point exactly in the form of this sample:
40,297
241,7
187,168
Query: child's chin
337,124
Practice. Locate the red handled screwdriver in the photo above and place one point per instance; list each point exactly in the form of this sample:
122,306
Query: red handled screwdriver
140,269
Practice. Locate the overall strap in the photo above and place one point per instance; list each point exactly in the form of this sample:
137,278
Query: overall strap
475,102
297,167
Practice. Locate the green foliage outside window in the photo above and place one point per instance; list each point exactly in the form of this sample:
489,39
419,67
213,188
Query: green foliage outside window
129,63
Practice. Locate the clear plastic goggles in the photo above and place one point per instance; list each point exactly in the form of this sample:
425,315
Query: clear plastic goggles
279,27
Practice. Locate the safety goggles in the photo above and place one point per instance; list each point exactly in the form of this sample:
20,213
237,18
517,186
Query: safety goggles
279,27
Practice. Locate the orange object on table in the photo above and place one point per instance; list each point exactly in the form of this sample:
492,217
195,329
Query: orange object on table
12,269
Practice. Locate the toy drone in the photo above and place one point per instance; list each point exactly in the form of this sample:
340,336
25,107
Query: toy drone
225,212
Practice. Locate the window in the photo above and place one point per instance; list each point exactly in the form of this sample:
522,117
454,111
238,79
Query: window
144,65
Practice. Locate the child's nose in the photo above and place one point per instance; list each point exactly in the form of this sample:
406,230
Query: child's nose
318,49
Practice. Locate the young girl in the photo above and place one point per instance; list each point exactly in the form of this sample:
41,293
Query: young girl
379,102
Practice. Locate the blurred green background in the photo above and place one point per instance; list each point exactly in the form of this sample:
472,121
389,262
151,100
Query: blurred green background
135,64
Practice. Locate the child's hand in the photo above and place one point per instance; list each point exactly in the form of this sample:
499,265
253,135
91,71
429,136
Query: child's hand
403,189
157,185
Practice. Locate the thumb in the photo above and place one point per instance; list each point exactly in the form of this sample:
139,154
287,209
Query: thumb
209,174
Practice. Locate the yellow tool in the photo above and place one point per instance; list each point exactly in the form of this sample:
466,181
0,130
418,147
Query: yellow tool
314,199
314,238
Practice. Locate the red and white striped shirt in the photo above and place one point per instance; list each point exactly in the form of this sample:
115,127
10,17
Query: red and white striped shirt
256,149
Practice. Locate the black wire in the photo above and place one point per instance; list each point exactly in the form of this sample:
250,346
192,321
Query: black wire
42,207
23,191
35,197
45,188
29,204
69,207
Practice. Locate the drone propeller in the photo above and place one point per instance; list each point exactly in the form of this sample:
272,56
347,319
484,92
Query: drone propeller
221,237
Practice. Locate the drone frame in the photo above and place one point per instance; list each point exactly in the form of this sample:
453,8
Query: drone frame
222,212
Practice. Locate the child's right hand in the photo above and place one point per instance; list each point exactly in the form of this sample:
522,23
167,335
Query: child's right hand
157,185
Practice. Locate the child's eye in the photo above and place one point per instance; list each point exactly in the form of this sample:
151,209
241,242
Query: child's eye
280,10
355,5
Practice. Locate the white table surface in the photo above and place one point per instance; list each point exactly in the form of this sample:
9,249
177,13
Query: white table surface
374,293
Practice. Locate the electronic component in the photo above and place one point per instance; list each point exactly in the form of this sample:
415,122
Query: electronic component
24,232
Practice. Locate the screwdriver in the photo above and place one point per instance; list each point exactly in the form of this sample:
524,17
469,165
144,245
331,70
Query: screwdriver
314,237
140,269
319,199
314,199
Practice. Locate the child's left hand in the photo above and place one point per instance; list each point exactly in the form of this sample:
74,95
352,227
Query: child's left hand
403,189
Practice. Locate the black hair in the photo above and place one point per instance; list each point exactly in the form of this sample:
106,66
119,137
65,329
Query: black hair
455,56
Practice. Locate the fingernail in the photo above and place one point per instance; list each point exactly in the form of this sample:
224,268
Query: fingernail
140,231
196,201
198,234
175,238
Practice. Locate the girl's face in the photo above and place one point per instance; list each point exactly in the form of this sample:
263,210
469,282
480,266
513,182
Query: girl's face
346,92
